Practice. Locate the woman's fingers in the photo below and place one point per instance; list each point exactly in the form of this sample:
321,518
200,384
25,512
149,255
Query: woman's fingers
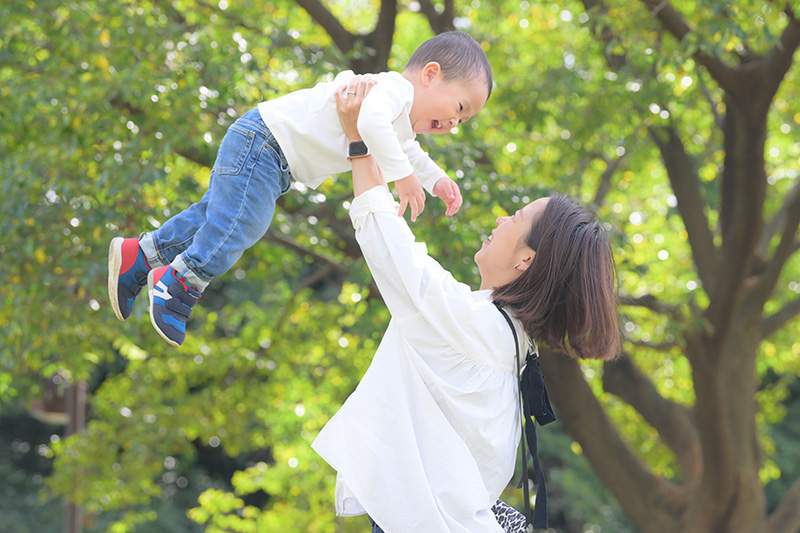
365,84
348,111
357,88
352,87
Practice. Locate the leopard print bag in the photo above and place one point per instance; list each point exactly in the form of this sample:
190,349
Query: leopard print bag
511,520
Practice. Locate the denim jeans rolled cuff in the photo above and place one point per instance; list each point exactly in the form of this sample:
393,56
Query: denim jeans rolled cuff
156,260
190,274
148,246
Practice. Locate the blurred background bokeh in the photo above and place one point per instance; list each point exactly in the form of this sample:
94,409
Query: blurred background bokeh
676,120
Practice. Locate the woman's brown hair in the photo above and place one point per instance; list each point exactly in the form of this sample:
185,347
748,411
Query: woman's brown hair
567,297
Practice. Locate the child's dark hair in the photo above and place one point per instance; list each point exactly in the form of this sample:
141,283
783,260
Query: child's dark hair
459,55
567,297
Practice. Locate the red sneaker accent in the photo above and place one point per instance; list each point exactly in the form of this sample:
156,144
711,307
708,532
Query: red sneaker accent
158,273
130,249
181,280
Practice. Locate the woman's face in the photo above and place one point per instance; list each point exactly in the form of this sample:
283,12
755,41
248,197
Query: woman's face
506,246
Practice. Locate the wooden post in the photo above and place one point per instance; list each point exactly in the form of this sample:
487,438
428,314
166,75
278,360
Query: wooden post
76,408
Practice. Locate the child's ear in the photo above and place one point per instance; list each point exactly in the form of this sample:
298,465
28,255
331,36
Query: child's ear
429,72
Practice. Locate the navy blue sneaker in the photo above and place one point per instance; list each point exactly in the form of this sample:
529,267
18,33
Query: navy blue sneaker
171,302
127,274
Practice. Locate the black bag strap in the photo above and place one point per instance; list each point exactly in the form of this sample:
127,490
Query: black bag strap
536,404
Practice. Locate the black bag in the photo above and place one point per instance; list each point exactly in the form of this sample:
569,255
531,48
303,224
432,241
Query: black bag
535,405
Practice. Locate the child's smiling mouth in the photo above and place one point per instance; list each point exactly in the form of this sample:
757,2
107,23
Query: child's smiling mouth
440,126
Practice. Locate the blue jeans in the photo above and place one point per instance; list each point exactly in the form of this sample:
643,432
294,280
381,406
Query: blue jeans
205,240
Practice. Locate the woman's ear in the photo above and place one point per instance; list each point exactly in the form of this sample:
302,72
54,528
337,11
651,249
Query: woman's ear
429,72
525,259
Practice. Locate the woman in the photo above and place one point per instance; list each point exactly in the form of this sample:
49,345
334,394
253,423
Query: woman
428,440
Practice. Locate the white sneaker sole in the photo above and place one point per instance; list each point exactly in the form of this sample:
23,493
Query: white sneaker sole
114,264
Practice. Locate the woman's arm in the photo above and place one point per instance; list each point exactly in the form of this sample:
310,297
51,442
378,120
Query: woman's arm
366,173
408,187
409,280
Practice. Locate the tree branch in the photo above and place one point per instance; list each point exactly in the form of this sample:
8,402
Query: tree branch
605,180
227,15
744,187
675,24
652,303
614,60
661,346
644,496
325,212
789,218
674,422
292,245
686,186
778,221
779,60
712,104
195,156
777,320
439,22
380,39
786,517
611,168
343,39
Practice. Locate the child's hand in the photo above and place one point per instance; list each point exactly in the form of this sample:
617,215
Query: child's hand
448,191
411,194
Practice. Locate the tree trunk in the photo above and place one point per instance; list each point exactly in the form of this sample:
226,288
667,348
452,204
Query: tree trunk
729,497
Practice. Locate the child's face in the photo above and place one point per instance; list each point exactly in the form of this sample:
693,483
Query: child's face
441,105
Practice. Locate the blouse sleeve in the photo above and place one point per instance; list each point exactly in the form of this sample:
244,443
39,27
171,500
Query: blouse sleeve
411,282
426,168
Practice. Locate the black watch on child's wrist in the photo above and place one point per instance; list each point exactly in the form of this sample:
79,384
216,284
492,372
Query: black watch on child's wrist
357,149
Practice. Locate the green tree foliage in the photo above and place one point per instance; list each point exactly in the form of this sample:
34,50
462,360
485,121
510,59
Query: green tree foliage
676,120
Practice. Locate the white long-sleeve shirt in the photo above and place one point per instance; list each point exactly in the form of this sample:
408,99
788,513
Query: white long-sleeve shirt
427,441
306,125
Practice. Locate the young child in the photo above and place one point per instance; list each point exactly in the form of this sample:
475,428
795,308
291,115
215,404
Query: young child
299,137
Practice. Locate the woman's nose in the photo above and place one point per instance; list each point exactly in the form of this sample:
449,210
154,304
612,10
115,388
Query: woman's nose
500,220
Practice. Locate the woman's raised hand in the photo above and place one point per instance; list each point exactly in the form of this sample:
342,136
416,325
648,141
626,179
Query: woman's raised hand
366,173
348,102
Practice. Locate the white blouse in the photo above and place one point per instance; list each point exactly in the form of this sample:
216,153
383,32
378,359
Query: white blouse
428,440
306,125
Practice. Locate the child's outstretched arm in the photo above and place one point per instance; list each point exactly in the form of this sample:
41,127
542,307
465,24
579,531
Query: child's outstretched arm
411,194
447,190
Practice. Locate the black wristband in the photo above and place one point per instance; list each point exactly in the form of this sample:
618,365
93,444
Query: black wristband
357,149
